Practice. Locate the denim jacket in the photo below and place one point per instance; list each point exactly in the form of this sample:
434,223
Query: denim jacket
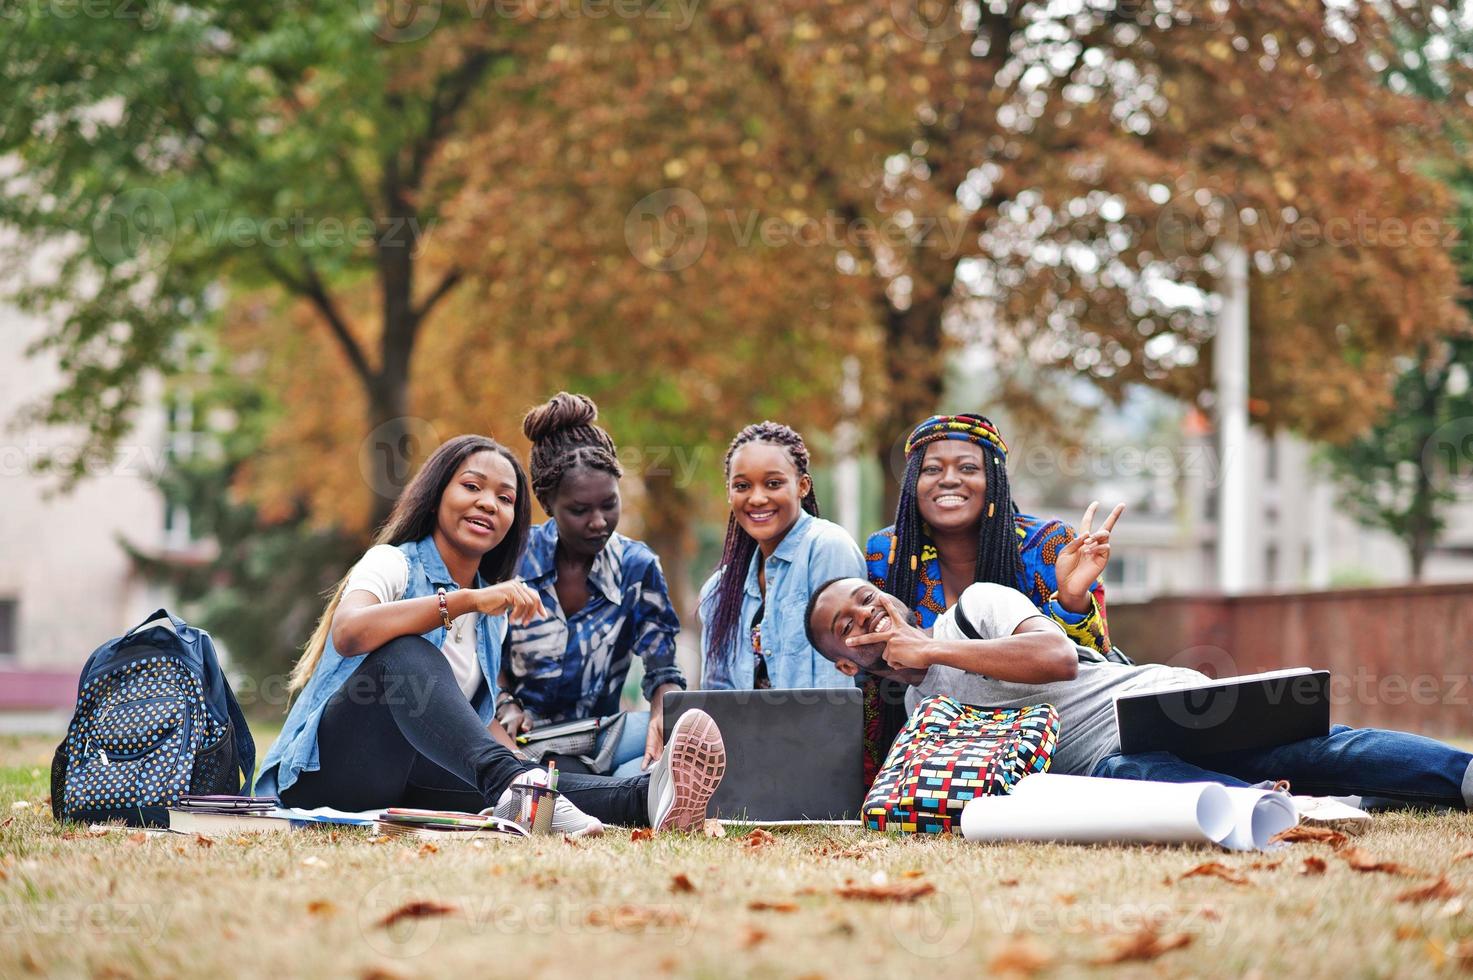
812,552
295,749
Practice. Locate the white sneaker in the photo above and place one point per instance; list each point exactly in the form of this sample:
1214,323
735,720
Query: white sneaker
689,770
566,818
1334,813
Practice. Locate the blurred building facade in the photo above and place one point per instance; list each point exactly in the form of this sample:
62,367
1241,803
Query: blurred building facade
66,581
1299,537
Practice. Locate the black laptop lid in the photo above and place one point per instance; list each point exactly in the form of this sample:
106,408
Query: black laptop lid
790,754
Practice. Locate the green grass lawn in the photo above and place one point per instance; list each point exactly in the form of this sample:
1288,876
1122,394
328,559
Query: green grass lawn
121,905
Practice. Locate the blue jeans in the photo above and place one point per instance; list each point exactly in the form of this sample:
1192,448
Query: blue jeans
1347,762
629,753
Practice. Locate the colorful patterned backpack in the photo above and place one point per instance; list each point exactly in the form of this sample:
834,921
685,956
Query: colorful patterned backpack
155,720
949,753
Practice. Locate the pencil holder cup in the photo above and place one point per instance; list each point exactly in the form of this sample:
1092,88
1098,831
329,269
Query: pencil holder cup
534,808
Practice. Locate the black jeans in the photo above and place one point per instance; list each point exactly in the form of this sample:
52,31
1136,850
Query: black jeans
400,732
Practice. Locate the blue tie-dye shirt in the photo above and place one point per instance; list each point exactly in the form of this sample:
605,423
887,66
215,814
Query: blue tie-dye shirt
563,667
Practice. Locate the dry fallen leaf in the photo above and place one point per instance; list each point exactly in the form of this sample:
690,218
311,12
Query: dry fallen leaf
380,973
1265,865
901,892
1313,866
682,883
628,918
1216,869
641,833
1463,857
1359,860
416,910
1144,945
1067,898
137,837
753,936
757,838
913,873
1019,957
321,906
203,841
1438,890
713,828
1008,882
765,906
1311,834
428,847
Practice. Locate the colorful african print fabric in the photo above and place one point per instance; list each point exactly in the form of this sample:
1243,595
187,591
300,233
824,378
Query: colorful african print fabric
950,753
1039,544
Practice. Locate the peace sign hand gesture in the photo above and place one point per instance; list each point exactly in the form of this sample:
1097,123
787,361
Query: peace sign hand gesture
1083,560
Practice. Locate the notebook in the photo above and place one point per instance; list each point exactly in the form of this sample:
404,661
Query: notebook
1255,711
790,754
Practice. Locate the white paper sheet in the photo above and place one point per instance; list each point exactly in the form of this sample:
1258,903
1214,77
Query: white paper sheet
1087,810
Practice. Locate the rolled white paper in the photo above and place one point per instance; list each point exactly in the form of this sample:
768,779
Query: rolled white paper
1258,814
1088,810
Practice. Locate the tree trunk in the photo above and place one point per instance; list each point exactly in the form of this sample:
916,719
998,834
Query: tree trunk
915,374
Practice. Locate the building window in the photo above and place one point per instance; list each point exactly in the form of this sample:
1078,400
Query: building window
9,625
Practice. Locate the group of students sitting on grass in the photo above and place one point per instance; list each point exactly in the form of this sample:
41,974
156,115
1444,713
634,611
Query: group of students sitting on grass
465,625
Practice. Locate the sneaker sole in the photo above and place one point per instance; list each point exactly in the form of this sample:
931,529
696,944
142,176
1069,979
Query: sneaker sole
697,763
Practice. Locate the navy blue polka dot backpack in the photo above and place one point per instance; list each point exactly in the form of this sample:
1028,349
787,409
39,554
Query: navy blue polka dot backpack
155,720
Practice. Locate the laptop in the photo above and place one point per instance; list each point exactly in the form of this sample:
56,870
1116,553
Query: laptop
1256,711
790,754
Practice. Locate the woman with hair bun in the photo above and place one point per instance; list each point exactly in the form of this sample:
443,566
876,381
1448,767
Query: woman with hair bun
604,595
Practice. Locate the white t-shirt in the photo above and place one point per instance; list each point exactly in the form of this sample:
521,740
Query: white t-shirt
383,572
1086,704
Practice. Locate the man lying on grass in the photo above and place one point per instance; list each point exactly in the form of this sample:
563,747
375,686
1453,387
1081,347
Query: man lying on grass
1023,658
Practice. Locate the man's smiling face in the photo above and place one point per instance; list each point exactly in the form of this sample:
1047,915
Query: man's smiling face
853,607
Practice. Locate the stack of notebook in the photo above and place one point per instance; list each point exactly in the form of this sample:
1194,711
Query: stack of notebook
227,815
441,824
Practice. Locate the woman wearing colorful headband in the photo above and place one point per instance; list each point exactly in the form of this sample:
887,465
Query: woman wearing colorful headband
956,524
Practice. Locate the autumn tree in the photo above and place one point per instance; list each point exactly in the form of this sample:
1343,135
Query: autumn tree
1051,179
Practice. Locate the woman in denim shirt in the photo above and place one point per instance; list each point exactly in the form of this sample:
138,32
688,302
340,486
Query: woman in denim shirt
777,551
605,594
397,685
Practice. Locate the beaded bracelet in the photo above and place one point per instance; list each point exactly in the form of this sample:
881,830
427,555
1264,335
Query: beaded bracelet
444,607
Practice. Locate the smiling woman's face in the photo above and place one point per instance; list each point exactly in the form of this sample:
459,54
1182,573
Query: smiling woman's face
765,492
478,506
952,488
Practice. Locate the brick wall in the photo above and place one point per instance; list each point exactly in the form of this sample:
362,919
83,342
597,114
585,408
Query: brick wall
1398,658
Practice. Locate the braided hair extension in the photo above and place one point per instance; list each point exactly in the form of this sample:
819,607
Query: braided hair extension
564,438
736,553
997,545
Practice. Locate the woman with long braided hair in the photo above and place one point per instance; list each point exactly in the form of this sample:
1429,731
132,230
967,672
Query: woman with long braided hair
777,551
956,524
605,595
